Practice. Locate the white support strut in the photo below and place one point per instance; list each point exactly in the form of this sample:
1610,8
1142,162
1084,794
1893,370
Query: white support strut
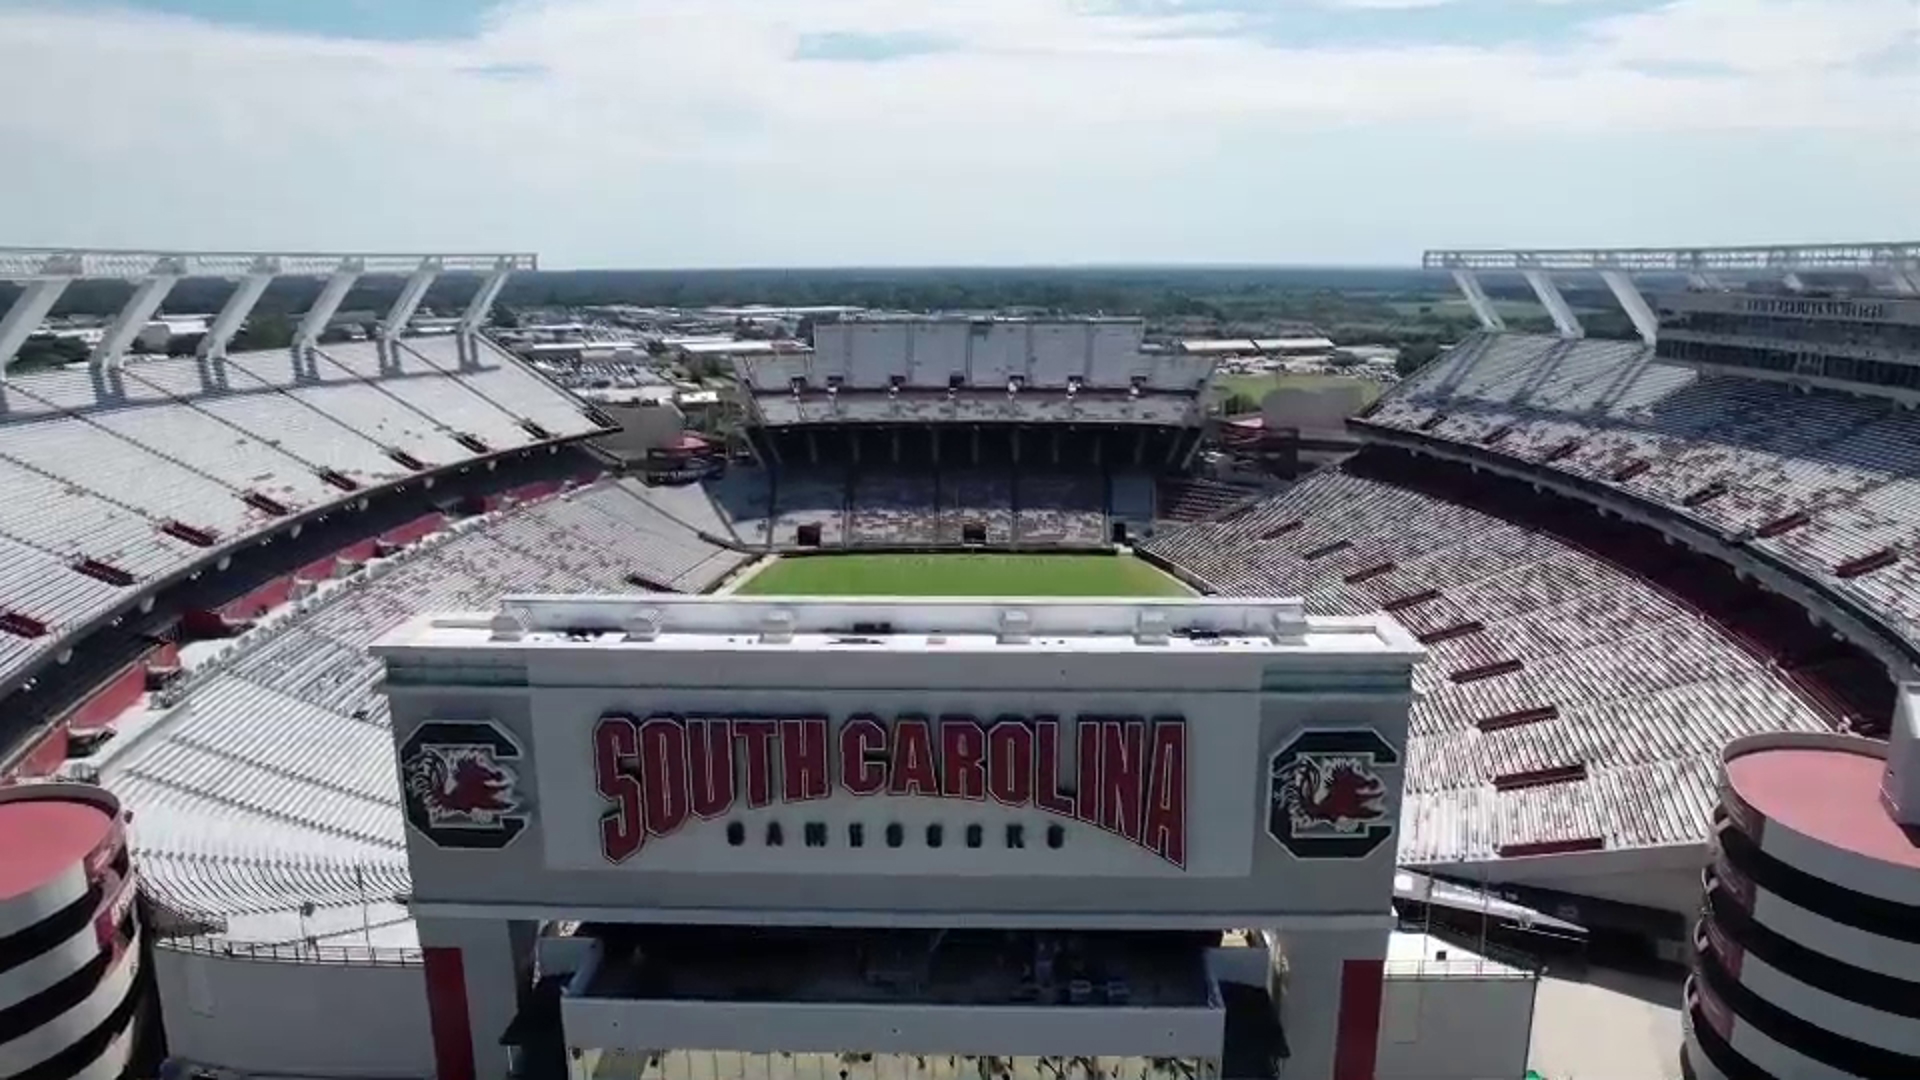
483,299
26,264
1769,259
408,302
1477,300
136,313
332,295
23,318
1633,303
44,274
1556,305
234,313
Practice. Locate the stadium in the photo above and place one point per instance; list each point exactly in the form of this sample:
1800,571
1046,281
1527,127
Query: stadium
1610,559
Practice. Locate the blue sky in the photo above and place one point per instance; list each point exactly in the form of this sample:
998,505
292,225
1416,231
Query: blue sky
834,132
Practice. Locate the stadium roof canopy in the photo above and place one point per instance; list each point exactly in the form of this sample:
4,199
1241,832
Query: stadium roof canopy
1759,258
27,263
47,272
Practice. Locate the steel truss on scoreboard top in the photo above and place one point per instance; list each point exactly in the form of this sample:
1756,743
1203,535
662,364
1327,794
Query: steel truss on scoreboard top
1761,258
26,264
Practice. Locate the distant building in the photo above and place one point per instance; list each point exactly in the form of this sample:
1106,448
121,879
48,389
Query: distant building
158,334
1294,345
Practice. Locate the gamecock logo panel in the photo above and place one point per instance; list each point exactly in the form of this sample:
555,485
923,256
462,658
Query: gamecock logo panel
1326,797
659,772
460,782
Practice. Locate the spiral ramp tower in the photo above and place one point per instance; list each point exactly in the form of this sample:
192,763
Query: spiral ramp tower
70,980
1807,952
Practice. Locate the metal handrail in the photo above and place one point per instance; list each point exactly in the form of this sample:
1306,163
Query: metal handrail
294,953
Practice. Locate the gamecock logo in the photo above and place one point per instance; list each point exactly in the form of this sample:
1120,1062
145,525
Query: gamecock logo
1326,798
460,782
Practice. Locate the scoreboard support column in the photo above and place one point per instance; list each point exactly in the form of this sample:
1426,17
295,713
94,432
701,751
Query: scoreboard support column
1331,1005
475,973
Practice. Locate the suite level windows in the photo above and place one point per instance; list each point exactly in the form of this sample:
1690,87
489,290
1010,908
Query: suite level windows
817,834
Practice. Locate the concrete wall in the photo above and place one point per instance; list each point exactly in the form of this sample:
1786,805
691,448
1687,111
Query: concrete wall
1455,1028
334,1020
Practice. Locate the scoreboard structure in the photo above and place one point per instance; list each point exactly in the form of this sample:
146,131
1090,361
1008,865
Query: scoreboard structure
1015,829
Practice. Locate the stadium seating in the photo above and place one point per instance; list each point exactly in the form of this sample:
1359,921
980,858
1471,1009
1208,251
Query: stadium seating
892,508
977,499
1827,483
743,499
1131,500
1566,704
271,783
117,479
1060,508
816,500
903,507
1196,499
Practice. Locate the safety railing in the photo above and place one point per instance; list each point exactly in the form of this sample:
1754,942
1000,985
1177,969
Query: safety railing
295,952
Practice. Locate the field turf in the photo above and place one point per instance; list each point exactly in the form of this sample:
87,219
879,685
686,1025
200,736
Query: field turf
961,575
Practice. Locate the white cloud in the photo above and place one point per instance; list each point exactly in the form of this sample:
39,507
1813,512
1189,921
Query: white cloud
1785,37
673,132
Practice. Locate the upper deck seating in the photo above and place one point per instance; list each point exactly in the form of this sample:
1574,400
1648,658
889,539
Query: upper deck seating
114,479
1827,482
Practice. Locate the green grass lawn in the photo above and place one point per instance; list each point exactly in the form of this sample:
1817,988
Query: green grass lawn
961,575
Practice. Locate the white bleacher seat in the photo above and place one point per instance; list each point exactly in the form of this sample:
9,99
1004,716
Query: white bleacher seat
71,524
378,415
509,385
1731,453
420,381
272,784
1641,685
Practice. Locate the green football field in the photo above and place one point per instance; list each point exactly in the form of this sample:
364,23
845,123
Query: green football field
961,575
